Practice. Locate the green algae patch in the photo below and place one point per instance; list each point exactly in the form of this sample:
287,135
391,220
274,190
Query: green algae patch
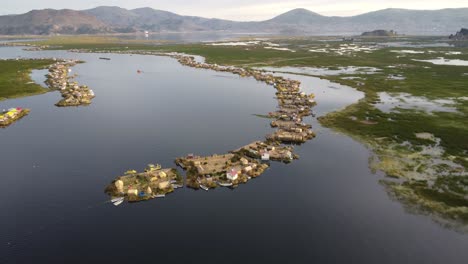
15,79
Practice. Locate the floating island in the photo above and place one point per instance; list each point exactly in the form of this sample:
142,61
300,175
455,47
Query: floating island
72,93
227,170
268,151
10,116
154,182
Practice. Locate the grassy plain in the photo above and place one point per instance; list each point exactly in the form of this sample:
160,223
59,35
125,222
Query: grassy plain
15,80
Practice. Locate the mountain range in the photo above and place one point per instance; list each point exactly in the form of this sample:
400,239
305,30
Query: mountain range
109,19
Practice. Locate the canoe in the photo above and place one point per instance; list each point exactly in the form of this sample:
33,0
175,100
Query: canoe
118,201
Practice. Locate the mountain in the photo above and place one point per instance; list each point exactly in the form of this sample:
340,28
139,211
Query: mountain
297,17
155,20
422,22
40,22
460,35
113,16
111,19
379,33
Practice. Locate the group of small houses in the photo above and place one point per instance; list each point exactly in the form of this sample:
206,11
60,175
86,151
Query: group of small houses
8,117
154,182
72,93
228,170
232,169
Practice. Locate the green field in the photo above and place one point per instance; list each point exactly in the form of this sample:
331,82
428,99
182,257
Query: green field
15,80
432,171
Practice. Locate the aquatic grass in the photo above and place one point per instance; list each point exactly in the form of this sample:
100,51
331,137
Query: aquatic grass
15,79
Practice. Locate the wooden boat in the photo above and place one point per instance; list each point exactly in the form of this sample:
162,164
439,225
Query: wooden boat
118,201
225,184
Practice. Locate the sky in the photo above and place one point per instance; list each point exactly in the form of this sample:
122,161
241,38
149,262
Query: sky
240,10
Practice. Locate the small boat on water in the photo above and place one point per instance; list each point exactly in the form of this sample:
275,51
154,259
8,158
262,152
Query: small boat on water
152,167
177,186
104,58
204,187
225,184
160,196
118,201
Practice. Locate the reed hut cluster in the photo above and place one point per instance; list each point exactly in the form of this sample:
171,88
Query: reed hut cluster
10,116
227,170
154,182
72,93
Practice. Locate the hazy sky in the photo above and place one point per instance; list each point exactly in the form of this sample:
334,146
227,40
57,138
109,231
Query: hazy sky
236,9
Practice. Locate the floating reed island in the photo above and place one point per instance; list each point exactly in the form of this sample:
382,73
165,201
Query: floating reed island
227,170
72,93
10,116
267,151
154,182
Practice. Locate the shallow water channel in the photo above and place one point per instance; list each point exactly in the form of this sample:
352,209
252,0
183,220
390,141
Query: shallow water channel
326,207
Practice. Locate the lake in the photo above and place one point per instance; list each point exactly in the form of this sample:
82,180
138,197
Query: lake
327,207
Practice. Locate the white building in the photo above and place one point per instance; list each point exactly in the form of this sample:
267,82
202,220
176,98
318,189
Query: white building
265,155
232,175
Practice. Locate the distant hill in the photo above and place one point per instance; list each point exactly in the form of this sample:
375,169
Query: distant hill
107,19
460,35
421,22
49,21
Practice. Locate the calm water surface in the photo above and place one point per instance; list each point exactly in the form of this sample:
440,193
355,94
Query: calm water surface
326,207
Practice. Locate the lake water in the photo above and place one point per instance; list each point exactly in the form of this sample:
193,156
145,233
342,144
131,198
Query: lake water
192,37
326,207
